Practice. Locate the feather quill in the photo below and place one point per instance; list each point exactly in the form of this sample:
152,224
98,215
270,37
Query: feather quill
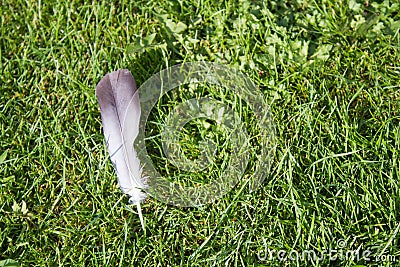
119,103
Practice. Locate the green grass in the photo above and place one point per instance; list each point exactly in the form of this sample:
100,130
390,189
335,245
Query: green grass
330,71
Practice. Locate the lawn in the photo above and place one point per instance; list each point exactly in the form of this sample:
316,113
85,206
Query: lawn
329,71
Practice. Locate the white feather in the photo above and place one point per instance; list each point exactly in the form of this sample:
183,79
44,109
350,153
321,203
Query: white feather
119,103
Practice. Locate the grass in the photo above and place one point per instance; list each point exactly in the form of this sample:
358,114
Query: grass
330,72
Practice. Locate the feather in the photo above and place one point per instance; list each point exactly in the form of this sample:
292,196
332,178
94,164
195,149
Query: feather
119,103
